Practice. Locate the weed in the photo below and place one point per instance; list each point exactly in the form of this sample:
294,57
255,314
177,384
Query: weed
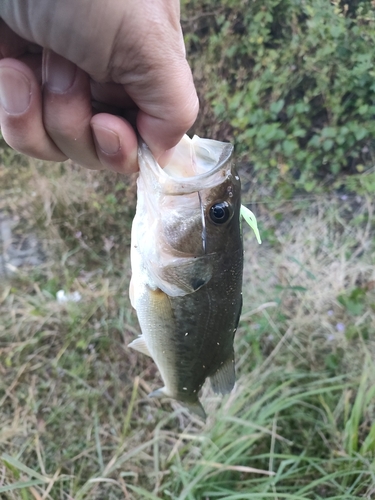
289,82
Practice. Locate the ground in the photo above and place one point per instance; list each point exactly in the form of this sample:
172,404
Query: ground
75,418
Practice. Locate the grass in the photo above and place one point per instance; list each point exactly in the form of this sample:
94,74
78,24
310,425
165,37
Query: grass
75,419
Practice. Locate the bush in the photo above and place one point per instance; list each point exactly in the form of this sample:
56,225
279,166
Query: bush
292,82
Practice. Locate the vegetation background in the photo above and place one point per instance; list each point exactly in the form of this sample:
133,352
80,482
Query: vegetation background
292,84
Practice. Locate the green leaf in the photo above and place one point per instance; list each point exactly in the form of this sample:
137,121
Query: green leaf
277,106
360,133
327,144
329,132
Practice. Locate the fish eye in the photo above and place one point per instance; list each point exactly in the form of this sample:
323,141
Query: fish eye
220,212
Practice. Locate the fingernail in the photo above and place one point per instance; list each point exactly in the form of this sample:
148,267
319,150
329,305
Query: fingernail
59,73
107,140
15,91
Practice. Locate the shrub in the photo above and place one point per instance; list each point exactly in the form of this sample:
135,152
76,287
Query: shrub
293,79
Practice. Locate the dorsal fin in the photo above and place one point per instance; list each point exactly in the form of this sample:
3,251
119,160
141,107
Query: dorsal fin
223,380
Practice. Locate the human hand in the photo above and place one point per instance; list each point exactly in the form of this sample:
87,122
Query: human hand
77,75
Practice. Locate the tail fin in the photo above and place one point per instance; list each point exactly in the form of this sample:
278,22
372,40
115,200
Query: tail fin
194,407
197,409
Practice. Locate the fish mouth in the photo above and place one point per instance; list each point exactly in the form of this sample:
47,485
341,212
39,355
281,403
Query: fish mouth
195,164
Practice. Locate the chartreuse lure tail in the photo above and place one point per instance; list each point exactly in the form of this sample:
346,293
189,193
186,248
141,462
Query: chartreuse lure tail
251,220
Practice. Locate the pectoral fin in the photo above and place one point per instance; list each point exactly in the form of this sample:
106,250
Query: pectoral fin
223,380
139,344
181,278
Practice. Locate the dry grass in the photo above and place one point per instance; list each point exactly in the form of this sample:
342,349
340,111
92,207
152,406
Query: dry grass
75,419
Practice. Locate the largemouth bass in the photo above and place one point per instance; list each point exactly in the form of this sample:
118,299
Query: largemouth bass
187,261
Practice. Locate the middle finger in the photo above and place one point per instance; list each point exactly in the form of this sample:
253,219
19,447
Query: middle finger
67,109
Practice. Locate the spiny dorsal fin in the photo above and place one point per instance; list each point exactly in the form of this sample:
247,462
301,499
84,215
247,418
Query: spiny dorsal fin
139,344
223,380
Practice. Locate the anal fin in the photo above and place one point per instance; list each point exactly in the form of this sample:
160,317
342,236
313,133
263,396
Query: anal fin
140,345
223,380
159,393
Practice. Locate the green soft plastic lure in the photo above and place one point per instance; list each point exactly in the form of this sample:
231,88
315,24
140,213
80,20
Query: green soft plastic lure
251,220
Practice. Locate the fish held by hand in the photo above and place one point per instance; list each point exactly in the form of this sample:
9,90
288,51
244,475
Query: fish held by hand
187,262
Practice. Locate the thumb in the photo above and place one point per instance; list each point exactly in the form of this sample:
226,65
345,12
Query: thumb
163,121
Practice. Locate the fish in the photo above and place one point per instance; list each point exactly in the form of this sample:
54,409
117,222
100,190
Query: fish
187,266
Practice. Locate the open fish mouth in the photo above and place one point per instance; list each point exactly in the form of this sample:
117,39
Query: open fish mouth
195,164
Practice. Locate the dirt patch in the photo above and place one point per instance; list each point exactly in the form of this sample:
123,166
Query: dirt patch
17,249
